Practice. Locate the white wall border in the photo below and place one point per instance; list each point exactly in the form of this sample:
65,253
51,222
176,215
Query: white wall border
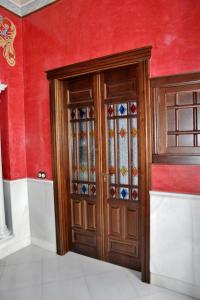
176,285
42,213
175,242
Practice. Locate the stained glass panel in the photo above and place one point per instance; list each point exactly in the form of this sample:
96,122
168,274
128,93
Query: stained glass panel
124,193
122,138
111,153
122,150
73,149
121,109
84,189
92,150
134,151
83,163
83,151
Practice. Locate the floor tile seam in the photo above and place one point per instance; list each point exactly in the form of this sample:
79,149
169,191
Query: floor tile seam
22,263
21,287
132,283
42,274
62,280
101,273
88,288
3,271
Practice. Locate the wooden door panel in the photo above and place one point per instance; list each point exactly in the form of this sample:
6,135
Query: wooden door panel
90,219
130,249
122,166
77,214
82,165
114,220
131,223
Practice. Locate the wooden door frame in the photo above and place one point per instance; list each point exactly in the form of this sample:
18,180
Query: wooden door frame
58,111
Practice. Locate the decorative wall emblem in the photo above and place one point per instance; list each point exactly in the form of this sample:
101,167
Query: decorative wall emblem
7,36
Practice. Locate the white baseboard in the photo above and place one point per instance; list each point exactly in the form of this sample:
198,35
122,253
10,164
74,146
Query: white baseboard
12,244
176,285
43,244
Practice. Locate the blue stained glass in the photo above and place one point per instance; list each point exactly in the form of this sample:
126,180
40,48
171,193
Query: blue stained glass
123,193
81,112
84,189
122,109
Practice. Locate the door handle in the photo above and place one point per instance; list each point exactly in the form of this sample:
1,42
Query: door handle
105,176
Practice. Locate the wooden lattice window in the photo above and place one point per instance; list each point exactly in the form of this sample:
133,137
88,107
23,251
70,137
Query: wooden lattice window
176,101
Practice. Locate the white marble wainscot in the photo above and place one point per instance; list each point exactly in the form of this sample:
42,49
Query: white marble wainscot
175,242
17,216
42,213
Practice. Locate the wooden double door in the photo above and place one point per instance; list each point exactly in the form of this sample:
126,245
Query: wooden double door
106,164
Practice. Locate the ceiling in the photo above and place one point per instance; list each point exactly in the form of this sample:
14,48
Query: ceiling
24,7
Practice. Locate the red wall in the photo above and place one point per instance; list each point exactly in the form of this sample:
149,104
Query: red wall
180,179
12,119
76,30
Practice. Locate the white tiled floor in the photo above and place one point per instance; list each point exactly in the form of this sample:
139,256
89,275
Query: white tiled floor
36,274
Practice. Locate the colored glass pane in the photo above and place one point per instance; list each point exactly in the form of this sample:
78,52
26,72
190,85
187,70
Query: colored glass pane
123,171
91,112
134,132
75,187
112,192
122,133
110,110
134,194
82,113
111,133
122,109
134,171
123,193
73,114
93,189
84,189
133,108
82,134
83,168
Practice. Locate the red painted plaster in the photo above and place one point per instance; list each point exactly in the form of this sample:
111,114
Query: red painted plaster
70,31
12,118
180,179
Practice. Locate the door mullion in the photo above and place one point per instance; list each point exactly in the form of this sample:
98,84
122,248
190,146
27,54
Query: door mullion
98,155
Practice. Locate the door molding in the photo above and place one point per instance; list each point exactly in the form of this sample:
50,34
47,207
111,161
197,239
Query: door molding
58,111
